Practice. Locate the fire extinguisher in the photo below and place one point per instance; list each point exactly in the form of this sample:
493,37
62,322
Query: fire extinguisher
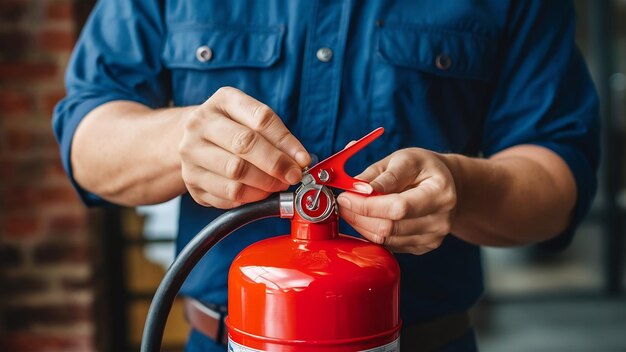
312,290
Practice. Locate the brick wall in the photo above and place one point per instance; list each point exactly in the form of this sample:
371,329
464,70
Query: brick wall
46,285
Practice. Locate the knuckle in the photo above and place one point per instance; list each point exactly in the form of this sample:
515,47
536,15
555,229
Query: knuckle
200,198
201,201
277,167
224,92
188,178
348,217
284,138
445,228
244,141
275,184
420,250
184,149
403,157
234,191
364,208
262,117
399,210
415,249
235,168
432,245
386,228
193,121
448,199
390,179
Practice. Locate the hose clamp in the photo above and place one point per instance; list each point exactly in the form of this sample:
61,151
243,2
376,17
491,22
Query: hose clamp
285,200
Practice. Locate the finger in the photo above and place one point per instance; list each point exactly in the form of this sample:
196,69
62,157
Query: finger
229,190
386,228
208,200
399,172
395,206
349,144
253,147
370,236
372,171
212,158
416,244
259,117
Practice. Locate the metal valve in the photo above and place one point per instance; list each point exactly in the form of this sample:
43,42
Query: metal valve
313,200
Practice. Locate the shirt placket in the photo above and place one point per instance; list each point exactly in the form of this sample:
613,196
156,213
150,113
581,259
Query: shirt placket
321,76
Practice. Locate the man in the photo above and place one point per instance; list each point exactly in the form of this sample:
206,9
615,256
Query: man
490,118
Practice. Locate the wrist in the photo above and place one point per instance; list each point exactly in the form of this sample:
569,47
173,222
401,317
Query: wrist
457,166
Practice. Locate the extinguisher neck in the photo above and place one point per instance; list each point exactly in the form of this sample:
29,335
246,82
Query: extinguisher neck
324,230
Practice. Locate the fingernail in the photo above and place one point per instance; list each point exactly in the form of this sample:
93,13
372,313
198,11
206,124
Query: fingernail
362,187
293,176
303,158
344,202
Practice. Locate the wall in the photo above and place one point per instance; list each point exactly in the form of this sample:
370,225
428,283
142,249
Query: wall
46,270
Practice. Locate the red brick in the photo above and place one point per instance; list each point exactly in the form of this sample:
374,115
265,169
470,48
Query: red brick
7,169
26,171
54,170
15,44
61,253
57,194
57,40
10,256
50,100
19,225
12,102
74,284
22,317
22,285
68,223
32,170
27,71
60,10
28,341
22,140
13,11
20,197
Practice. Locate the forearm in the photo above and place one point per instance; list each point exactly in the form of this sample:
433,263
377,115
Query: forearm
521,195
127,153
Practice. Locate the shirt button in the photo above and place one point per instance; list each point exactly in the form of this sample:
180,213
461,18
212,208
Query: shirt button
324,54
443,62
204,53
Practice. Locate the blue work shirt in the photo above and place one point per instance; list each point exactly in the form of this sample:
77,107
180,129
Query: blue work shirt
469,77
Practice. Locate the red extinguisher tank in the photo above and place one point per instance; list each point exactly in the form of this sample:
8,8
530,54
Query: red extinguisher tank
314,290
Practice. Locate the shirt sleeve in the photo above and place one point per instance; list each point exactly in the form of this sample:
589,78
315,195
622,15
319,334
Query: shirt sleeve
117,57
544,96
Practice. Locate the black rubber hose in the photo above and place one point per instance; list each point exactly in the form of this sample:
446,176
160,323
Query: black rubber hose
208,237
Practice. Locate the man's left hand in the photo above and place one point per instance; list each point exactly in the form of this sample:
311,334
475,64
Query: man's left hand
417,209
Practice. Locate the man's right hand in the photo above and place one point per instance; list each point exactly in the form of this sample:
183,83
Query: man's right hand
236,150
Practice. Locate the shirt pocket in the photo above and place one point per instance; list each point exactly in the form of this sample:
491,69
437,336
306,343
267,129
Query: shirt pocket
431,84
204,57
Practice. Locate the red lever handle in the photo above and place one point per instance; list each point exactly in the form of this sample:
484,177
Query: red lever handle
331,172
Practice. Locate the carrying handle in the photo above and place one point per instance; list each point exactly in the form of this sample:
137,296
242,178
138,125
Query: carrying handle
330,172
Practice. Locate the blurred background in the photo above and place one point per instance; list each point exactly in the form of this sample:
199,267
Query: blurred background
73,279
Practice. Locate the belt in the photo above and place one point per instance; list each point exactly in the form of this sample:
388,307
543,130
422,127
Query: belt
429,336
207,319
